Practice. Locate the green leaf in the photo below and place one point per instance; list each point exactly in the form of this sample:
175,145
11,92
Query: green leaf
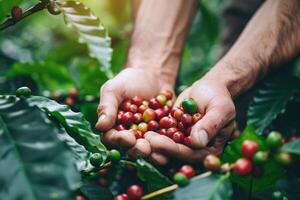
93,191
153,179
270,100
74,123
35,163
272,171
292,147
47,74
90,31
214,187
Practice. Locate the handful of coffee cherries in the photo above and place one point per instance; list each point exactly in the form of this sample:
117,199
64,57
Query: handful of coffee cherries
140,115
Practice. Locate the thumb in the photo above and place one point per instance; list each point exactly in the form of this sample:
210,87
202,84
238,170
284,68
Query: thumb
211,123
110,98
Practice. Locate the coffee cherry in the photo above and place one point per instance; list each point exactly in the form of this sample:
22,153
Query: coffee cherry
235,134
249,148
242,166
80,197
277,195
189,130
260,157
187,141
168,94
293,138
125,106
189,106
163,131
53,8
119,117
56,95
167,122
134,127
162,99
149,115
16,13
166,109
73,92
103,182
138,117
181,126
114,155
70,101
258,171
23,92
143,127
169,103
154,104
122,197
138,134
212,162
180,179
178,137
142,108
135,192
160,113
127,118
177,113
196,117
187,119
102,172
145,103
283,158
96,159
274,140
171,131
133,108
153,125
137,100
120,127
187,170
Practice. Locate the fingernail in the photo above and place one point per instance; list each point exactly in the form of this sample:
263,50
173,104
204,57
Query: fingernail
102,117
201,140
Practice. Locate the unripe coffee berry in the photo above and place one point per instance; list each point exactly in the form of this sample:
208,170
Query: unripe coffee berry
189,106
283,158
212,162
96,159
23,92
274,140
114,155
260,157
242,166
162,99
135,192
180,179
143,127
249,148
168,94
187,170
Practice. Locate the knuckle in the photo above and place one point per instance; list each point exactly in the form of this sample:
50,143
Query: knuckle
107,87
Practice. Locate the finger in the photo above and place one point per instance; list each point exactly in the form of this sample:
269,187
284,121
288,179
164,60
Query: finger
222,137
214,120
119,139
141,148
110,98
159,159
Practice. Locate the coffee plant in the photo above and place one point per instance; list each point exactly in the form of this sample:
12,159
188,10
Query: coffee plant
49,83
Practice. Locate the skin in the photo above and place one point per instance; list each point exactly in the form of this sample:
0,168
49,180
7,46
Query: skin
271,37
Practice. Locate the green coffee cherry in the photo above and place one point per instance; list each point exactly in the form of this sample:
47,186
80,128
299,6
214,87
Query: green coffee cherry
260,157
283,158
180,179
23,92
114,155
274,140
277,195
96,159
189,106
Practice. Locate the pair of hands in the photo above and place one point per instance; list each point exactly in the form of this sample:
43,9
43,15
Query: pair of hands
209,135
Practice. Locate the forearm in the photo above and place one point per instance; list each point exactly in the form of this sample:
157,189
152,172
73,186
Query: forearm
270,38
158,37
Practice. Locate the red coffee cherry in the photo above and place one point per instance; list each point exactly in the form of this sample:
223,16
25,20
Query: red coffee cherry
120,127
102,172
212,162
138,134
160,113
235,134
187,141
138,117
178,137
163,131
181,126
242,166
167,93
154,104
122,197
80,197
196,117
187,120
133,108
70,101
125,106
120,117
149,115
189,130
135,192
187,170
142,108
177,113
127,118
137,100
153,125
171,131
166,109
16,13
249,148
73,92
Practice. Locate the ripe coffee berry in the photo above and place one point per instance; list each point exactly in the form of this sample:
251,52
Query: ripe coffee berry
138,134
154,104
127,118
122,197
138,117
168,94
187,141
187,120
249,148
114,155
212,162
180,179
142,108
153,125
137,100
149,115
126,106
165,122
70,101
133,108
274,140
160,113
178,137
189,106
242,166
120,127
187,170
163,131
196,117
16,13
177,113
166,109
135,192
80,197
171,131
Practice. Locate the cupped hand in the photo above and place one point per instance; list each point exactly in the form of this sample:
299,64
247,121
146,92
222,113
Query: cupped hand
208,135
128,83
